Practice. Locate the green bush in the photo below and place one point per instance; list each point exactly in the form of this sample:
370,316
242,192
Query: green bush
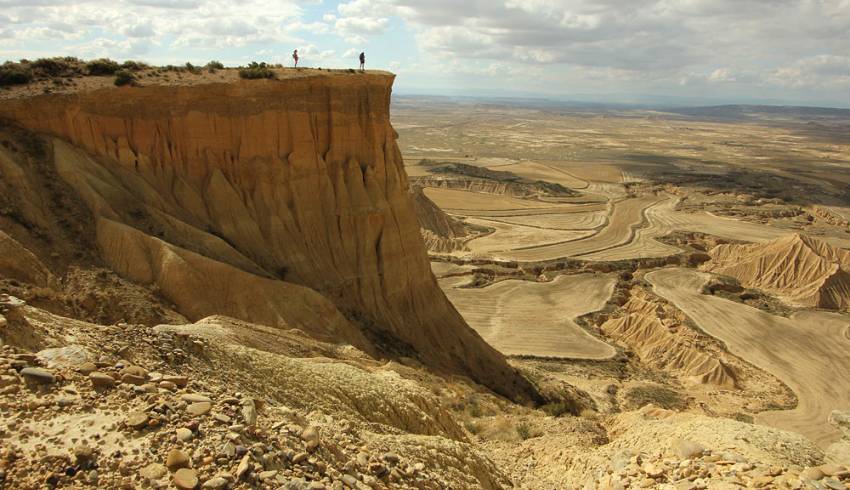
472,427
124,77
192,68
103,66
656,395
523,430
131,65
214,65
256,70
15,74
51,67
558,409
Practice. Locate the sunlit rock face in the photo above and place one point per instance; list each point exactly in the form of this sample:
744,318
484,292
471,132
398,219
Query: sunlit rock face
297,180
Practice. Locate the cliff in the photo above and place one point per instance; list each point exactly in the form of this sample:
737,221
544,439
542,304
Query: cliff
294,181
441,232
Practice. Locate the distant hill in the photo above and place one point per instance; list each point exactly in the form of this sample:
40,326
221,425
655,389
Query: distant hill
802,270
738,112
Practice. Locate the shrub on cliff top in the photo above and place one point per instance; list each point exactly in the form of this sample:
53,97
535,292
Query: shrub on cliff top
103,66
131,65
54,67
212,66
256,70
15,74
124,77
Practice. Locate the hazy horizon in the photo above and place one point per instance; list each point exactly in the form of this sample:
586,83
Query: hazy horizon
692,52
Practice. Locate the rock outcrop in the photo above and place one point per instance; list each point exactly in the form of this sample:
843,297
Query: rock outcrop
802,270
659,340
460,176
17,262
441,232
296,179
201,287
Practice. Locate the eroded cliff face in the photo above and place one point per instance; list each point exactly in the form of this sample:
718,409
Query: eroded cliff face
298,180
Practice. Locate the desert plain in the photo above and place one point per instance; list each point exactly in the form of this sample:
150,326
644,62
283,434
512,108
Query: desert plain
275,278
595,239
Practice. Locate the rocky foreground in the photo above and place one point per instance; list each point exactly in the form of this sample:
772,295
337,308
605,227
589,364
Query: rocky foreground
222,285
694,467
200,406
71,419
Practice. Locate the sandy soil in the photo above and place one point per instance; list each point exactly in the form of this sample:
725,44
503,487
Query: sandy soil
625,218
562,221
507,314
455,201
660,221
154,76
508,236
809,351
541,171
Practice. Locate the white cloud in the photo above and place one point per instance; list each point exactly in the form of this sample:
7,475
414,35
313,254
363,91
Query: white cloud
722,75
729,44
816,71
120,27
358,20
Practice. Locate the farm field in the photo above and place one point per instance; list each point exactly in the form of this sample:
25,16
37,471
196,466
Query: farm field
620,196
810,351
507,314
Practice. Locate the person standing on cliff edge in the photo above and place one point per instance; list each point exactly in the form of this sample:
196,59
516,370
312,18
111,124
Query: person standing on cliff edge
295,57
362,61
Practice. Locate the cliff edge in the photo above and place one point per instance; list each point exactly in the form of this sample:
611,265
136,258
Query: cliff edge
295,181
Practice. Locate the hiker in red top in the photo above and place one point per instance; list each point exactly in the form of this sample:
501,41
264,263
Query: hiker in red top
295,57
362,61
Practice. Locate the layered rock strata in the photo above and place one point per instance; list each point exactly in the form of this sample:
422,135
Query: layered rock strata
295,179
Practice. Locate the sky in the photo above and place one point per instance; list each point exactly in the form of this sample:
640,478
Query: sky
680,51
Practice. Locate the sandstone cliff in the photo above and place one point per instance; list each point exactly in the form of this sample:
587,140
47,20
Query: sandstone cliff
297,180
441,232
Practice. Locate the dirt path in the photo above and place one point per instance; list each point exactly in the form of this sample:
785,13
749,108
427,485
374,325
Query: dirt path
529,318
660,221
808,351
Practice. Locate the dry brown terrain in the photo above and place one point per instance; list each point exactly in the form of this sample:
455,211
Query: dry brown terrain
802,270
507,314
656,189
810,351
209,282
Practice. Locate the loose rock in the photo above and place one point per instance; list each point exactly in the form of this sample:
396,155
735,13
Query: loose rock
199,408
137,420
101,380
176,459
38,375
185,479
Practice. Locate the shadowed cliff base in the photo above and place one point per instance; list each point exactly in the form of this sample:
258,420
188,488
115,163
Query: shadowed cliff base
297,182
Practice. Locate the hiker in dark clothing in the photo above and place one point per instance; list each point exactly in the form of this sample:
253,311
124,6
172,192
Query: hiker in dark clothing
295,57
362,61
